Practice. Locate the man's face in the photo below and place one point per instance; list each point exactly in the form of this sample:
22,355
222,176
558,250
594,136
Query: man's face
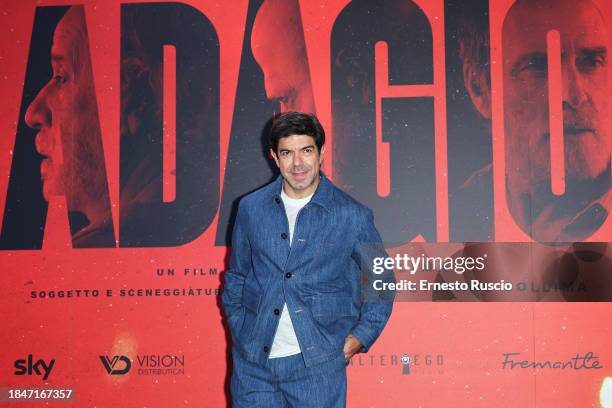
278,46
65,114
585,89
299,160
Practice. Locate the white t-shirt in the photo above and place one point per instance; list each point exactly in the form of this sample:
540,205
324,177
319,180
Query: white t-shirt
285,342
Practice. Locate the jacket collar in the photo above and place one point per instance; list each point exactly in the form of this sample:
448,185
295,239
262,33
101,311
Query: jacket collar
323,196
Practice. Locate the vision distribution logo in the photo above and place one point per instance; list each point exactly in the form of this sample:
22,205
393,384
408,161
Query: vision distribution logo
114,366
145,364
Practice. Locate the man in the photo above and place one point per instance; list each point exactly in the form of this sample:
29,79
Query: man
292,293
65,114
584,206
279,48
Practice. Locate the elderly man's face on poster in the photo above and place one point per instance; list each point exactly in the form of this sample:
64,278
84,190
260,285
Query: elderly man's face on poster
586,124
65,114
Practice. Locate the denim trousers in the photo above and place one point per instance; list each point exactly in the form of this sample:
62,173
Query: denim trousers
287,382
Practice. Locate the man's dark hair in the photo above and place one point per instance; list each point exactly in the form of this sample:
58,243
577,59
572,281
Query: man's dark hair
473,35
295,123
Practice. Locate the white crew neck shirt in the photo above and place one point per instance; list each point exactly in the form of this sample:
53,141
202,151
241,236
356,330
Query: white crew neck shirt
285,341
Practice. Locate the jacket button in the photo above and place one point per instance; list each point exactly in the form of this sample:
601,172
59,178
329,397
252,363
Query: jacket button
277,200
288,275
276,311
284,235
265,349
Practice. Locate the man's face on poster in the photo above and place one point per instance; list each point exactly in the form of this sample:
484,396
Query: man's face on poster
65,114
278,46
585,92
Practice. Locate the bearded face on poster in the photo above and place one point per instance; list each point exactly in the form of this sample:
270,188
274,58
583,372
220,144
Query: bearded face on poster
65,115
583,207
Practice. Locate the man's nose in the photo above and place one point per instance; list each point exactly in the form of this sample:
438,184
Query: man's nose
297,159
574,92
38,114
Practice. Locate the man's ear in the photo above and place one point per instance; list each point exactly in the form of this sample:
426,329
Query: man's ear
478,88
274,156
321,154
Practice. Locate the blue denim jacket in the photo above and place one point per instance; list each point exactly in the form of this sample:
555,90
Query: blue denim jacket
318,275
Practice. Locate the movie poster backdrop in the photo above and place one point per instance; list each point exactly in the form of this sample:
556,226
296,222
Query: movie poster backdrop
474,129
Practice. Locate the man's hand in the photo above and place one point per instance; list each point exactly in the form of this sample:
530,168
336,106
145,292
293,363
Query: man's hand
351,346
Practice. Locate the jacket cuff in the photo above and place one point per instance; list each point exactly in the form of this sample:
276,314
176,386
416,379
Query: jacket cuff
365,336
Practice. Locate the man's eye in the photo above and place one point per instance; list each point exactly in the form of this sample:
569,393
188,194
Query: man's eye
308,150
59,79
592,61
535,66
284,153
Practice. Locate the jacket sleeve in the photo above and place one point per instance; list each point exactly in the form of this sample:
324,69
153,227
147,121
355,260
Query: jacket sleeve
240,266
376,305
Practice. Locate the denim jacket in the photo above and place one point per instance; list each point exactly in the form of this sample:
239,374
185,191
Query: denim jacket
318,275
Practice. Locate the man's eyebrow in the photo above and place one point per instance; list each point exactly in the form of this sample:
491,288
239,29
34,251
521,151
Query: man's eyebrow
600,50
55,57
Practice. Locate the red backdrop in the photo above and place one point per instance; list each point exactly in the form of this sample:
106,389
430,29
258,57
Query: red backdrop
457,350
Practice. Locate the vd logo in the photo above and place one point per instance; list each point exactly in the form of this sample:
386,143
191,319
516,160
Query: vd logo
113,365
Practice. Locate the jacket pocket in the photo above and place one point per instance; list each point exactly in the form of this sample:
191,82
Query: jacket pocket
331,250
332,308
251,299
235,322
